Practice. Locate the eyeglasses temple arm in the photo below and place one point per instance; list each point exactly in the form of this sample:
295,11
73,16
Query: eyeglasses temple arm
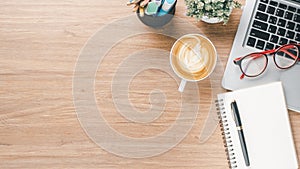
267,52
242,76
292,55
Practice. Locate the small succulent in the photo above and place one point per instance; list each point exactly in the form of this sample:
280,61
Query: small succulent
220,9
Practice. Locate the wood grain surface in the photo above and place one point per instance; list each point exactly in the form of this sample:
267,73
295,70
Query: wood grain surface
40,42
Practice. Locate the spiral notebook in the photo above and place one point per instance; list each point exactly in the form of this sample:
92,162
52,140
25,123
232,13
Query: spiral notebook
265,124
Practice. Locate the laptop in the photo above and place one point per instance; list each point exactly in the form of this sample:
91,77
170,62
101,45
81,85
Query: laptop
266,24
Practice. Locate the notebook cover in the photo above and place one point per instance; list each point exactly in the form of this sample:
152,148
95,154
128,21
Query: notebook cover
266,127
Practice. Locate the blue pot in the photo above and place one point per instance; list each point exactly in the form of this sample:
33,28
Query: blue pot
157,21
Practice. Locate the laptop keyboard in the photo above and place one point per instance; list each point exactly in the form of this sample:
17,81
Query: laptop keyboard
274,24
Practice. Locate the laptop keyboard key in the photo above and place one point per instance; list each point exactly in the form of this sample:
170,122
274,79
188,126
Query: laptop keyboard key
282,6
272,20
288,15
297,18
251,41
272,29
292,9
297,37
262,7
273,3
264,1
279,12
271,10
269,46
297,28
290,25
261,16
260,45
260,25
291,41
290,34
283,41
281,22
274,39
281,32
259,34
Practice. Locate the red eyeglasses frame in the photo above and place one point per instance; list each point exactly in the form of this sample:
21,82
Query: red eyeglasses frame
238,61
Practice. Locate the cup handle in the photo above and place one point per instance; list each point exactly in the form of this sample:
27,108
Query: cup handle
182,85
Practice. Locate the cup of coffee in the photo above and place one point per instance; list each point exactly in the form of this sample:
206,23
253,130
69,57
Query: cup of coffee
193,57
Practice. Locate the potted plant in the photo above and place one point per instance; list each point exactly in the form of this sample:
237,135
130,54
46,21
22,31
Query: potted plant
211,11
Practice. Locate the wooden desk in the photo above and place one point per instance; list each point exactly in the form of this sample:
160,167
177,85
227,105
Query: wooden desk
39,47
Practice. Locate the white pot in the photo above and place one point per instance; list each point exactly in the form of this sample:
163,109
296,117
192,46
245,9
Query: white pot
211,20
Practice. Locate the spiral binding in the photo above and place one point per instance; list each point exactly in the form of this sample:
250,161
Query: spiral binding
231,157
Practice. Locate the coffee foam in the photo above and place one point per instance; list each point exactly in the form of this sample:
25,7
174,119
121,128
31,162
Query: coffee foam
193,57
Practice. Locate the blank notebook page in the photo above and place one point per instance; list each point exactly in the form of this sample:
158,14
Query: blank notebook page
266,127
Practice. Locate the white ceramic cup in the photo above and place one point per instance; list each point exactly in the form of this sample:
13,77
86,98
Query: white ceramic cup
193,57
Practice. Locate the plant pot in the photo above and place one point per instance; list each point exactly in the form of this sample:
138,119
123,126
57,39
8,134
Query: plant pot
157,21
211,20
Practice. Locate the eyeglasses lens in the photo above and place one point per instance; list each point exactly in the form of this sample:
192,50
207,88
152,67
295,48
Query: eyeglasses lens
254,64
286,56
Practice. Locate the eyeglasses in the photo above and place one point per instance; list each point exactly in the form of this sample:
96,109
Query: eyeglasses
255,64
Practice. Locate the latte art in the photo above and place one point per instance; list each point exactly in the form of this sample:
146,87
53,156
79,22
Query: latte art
193,57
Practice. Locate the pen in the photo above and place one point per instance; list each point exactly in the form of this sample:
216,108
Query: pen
237,119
